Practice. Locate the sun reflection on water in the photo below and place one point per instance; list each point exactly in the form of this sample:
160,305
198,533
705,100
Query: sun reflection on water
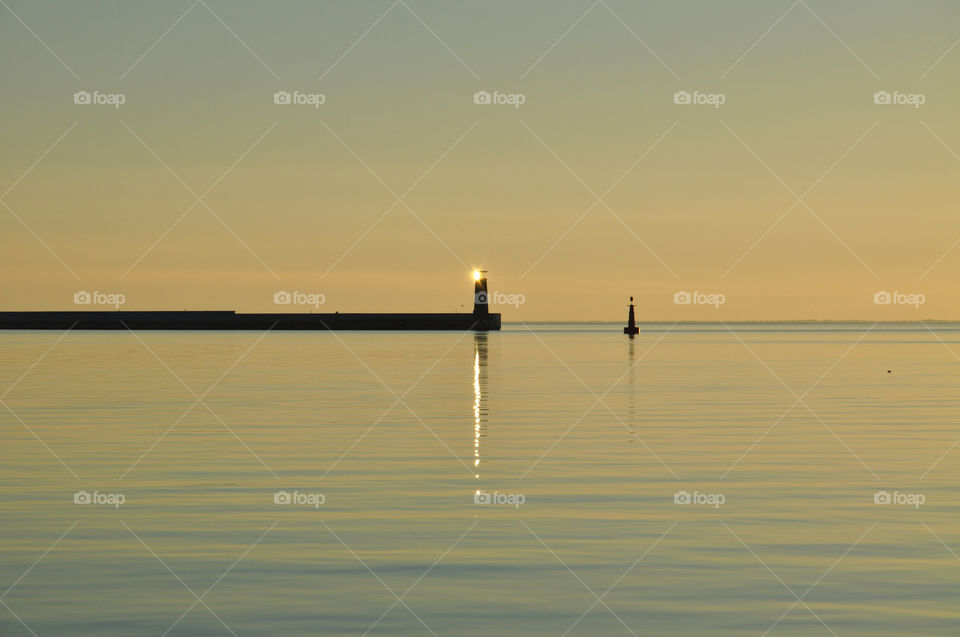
479,396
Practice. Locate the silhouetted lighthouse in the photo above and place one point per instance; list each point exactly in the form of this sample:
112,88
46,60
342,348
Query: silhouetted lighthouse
631,327
481,305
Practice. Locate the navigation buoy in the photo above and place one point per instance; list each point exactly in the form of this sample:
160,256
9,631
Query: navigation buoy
631,327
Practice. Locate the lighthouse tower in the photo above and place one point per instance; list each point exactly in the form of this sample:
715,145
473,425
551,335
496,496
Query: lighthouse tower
481,305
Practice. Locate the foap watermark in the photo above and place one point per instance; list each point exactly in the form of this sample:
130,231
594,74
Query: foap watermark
501,298
899,298
82,297
298,298
485,497
698,298
703,499
109,499
96,98
286,98
485,98
903,499
685,98
299,499
885,98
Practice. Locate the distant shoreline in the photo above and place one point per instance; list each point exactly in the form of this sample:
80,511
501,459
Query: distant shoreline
802,322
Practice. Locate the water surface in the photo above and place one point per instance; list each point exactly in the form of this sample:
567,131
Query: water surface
795,428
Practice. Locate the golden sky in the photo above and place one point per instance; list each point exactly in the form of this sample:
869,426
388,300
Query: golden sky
798,197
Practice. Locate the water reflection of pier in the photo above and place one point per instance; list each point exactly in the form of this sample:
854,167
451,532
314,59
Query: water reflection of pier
479,396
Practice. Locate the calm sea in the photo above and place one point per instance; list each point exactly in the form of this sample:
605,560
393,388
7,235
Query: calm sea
549,479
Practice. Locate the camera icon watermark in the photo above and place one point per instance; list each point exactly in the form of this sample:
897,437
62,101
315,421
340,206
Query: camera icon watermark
886,98
296,498
82,297
686,98
481,298
716,500
899,298
485,98
916,500
512,499
298,298
296,98
96,98
110,499
698,298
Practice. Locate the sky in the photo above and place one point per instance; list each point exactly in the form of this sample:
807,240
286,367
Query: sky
788,192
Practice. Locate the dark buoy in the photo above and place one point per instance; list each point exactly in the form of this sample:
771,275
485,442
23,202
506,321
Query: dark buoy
631,327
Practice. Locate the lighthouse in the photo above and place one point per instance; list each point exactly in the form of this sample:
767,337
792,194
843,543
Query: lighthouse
631,327
481,304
